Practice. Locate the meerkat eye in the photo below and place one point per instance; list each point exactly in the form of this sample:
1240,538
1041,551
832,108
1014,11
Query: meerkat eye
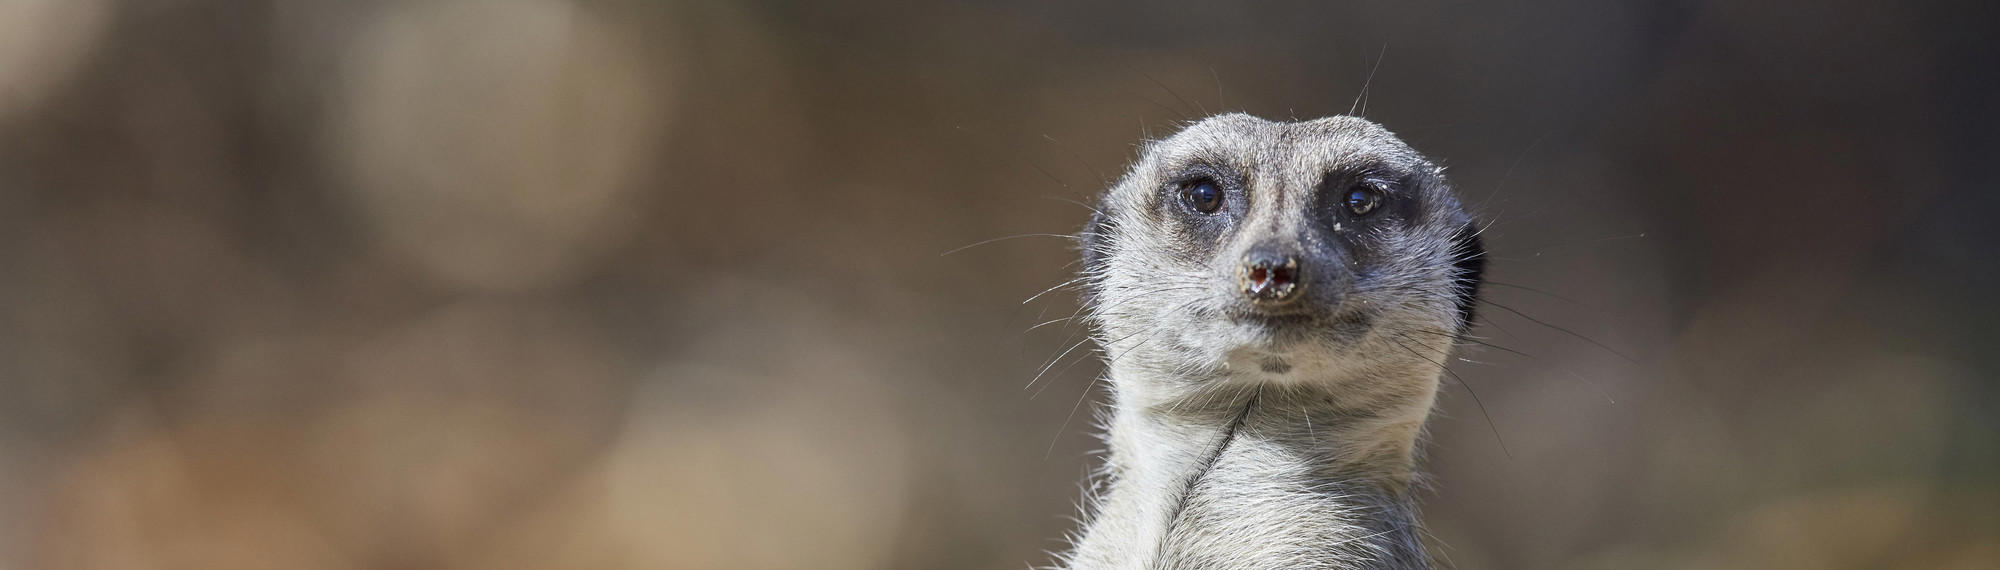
1202,195
1363,199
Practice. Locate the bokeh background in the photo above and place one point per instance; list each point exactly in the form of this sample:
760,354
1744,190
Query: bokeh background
622,284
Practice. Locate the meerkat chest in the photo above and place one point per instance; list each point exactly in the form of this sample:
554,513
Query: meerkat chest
1260,507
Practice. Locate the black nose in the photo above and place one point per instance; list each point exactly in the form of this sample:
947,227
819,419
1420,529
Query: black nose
1272,279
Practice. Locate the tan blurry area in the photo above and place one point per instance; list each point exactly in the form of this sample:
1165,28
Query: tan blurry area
622,284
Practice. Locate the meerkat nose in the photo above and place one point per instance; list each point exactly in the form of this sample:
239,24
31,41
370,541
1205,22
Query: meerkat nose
1271,278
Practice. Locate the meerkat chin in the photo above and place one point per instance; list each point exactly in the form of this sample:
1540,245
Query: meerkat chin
1275,302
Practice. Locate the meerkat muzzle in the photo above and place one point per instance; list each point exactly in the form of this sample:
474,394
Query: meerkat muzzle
1270,279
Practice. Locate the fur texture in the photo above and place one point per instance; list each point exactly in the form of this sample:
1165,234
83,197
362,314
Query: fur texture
1243,436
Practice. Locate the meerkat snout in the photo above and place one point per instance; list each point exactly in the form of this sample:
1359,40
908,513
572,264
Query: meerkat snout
1272,277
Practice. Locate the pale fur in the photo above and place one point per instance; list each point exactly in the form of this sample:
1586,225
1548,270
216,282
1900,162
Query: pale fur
1233,446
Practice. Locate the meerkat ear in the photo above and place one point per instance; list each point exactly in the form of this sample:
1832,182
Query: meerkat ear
1468,256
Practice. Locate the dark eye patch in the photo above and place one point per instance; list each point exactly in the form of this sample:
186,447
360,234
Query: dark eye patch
1370,191
1202,187
1203,200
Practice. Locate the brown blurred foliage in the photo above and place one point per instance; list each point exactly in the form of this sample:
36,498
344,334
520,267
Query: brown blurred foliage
623,284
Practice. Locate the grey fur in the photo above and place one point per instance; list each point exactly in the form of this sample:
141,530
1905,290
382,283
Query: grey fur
1244,440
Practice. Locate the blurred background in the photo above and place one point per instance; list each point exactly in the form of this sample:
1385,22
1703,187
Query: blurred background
625,284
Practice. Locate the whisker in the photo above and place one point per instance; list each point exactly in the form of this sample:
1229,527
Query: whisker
1047,323
1093,209
1052,177
1170,91
1114,359
1079,159
1092,386
1470,340
1073,281
1004,238
1542,292
1072,348
1468,390
1220,102
1597,385
1052,362
1072,415
1360,99
1607,348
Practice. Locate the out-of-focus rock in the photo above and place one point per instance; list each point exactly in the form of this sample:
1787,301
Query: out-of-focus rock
496,144
42,42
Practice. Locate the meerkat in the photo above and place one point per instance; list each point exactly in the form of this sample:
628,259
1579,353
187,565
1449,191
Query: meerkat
1275,302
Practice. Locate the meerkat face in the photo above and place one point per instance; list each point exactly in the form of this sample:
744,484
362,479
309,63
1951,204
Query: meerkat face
1263,251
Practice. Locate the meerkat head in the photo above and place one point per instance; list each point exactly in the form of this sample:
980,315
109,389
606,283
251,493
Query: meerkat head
1241,250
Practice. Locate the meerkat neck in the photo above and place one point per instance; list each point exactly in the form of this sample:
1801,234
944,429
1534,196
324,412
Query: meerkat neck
1257,476
1358,431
